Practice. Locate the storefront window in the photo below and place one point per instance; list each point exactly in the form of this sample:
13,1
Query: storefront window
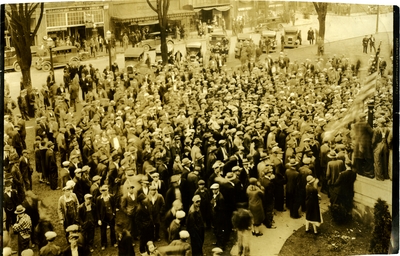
97,15
55,19
76,18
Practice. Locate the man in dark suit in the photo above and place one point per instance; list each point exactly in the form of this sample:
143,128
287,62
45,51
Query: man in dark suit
292,187
106,212
344,187
279,180
73,240
87,220
335,166
129,206
222,152
10,202
219,218
26,169
74,95
159,184
267,181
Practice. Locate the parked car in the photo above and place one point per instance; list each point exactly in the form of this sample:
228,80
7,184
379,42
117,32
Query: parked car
243,40
133,57
214,39
154,40
10,60
62,55
290,35
158,51
268,36
193,51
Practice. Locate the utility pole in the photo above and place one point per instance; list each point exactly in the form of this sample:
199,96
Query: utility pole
377,19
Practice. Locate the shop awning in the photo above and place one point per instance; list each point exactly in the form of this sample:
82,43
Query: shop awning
222,8
123,13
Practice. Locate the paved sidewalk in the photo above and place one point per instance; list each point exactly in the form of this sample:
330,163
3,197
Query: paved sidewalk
271,242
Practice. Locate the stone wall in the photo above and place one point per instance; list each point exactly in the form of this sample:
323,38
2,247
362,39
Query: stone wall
366,193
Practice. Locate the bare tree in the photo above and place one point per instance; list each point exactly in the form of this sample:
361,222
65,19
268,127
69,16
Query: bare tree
161,9
322,9
19,25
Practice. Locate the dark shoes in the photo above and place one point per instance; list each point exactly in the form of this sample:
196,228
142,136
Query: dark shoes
256,234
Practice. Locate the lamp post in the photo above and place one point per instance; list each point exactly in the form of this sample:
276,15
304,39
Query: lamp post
108,37
50,43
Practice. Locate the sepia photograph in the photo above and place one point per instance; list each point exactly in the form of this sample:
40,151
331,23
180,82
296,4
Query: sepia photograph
200,128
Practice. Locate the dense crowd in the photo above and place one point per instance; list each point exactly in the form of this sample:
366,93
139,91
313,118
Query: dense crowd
182,149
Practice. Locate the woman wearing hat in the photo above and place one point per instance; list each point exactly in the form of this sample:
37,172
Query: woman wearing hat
256,195
313,213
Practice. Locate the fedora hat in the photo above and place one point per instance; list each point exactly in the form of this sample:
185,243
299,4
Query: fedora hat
293,162
332,154
20,209
230,176
310,179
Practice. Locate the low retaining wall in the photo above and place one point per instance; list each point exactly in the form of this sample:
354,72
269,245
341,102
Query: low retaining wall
366,193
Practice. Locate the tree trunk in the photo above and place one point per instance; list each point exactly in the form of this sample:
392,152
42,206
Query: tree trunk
321,19
164,46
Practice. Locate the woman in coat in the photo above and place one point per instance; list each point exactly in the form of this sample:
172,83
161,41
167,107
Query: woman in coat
256,195
313,213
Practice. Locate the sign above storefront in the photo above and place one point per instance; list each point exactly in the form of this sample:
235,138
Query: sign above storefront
74,9
244,9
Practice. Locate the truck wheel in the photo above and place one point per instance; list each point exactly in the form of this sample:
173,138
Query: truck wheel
17,67
46,66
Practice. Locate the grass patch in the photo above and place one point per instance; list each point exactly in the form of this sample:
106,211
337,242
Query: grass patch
333,239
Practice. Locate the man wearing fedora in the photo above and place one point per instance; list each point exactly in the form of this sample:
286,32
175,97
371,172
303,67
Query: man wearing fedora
22,226
10,203
292,187
334,168
26,169
51,166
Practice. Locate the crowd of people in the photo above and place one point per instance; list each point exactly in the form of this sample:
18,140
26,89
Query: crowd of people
165,156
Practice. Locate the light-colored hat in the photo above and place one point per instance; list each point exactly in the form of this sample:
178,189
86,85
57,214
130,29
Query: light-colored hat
293,162
310,179
180,214
332,154
88,196
50,235
70,183
19,209
184,234
65,163
72,228
196,198
217,251
186,161
96,178
307,160
7,251
27,252
230,176
214,186
217,164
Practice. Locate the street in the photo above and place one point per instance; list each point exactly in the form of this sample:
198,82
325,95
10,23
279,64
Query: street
337,28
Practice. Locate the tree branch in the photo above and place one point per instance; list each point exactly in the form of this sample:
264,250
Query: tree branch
151,6
40,19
